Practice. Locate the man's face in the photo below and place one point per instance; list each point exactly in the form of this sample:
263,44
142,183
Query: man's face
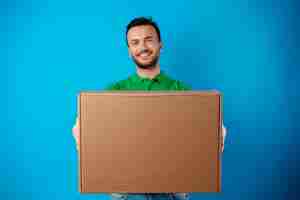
144,46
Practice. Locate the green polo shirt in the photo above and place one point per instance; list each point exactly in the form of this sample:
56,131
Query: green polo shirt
160,82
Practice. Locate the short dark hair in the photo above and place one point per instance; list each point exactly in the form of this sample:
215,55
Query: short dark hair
139,21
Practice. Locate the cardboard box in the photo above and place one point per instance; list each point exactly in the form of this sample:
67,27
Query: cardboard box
150,142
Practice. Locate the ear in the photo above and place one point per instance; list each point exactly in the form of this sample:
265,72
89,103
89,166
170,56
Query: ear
161,45
129,53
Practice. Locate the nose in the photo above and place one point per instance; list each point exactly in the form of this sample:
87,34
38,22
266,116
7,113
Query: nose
143,45
143,49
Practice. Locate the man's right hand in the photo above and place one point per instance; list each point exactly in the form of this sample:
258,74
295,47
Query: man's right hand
76,132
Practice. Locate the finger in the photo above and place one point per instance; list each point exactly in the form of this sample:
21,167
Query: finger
224,131
77,121
222,148
77,146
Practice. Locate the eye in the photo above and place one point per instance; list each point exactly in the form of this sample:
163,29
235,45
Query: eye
149,39
134,42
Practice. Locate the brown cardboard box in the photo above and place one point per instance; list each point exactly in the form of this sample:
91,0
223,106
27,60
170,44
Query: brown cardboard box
150,142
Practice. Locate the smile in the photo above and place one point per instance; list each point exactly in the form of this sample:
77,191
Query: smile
145,55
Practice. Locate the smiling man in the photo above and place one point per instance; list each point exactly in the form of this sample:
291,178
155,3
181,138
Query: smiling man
144,45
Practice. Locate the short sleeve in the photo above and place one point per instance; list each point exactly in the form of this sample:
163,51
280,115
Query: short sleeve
179,85
113,86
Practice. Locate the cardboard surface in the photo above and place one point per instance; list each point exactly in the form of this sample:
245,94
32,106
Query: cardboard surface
150,142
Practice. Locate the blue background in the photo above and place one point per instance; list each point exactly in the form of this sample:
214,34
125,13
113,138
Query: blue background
50,50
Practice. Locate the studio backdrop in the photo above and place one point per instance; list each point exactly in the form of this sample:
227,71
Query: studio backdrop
51,50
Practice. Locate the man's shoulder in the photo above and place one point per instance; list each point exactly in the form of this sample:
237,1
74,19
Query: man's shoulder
120,84
167,81
176,84
180,85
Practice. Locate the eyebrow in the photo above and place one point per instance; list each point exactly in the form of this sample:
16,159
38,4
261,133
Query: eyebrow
149,37
134,40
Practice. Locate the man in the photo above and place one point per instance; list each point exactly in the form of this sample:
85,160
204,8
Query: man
144,44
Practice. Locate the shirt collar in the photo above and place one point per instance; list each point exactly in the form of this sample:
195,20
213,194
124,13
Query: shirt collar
159,77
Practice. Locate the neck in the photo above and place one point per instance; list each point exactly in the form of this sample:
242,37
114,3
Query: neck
148,73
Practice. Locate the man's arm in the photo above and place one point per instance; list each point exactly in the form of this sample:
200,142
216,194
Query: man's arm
76,132
224,133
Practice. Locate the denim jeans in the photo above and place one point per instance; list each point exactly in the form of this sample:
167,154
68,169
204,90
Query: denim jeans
150,196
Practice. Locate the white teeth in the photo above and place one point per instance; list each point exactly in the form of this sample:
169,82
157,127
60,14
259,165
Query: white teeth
145,54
